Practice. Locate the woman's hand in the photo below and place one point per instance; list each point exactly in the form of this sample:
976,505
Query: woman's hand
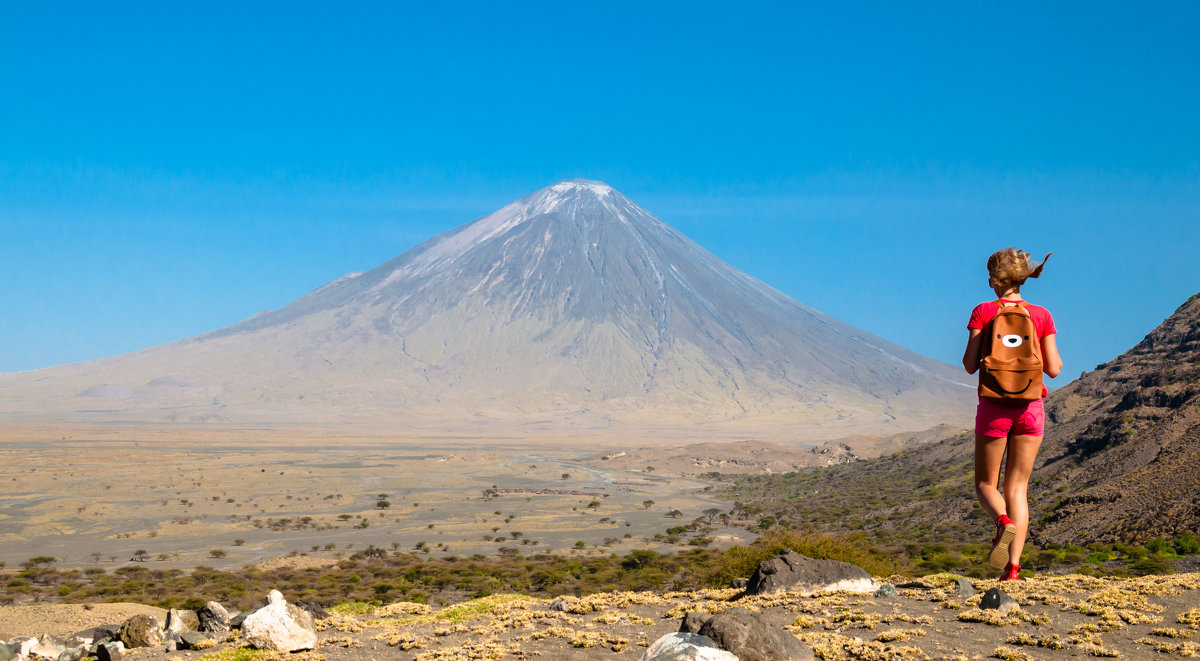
1051,363
971,355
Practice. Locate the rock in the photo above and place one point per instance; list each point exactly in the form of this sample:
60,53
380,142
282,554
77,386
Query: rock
963,587
106,633
793,572
683,646
236,621
23,645
214,619
559,604
280,626
171,646
886,590
74,653
315,610
179,621
693,621
194,640
7,653
112,651
739,583
141,631
748,637
85,638
46,647
998,599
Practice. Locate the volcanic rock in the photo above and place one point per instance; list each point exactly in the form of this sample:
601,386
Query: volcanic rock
997,599
793,572
179,621
686,647
280,626
745,634
214,619
111,651
141,631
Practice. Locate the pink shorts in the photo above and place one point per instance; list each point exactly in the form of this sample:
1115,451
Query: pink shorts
998,421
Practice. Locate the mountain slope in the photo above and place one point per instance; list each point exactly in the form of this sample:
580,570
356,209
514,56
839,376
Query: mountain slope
571,307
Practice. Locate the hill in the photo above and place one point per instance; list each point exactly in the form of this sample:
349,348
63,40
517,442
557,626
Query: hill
570,309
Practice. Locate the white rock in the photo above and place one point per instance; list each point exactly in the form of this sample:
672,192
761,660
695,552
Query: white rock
47,647
686,647
24,645
280,626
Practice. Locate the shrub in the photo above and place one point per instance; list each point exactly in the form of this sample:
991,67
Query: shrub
1185,544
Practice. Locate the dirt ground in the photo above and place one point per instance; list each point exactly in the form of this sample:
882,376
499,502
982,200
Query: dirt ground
65,619
1060,617
229,497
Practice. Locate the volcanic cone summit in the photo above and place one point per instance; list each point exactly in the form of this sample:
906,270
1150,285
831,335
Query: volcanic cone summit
571,307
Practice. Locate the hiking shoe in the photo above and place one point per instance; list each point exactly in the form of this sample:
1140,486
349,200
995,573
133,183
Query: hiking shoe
1006,530
1011,573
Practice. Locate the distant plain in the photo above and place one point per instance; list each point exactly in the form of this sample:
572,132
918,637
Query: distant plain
228,496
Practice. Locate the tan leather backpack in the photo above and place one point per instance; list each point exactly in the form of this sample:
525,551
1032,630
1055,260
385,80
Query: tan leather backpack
1010,369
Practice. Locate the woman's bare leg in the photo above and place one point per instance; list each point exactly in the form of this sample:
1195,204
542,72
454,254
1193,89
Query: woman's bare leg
1022,450
989,455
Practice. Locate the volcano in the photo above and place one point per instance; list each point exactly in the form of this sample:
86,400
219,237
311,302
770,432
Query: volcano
571,308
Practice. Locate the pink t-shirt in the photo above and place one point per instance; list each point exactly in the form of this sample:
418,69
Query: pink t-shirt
1042,321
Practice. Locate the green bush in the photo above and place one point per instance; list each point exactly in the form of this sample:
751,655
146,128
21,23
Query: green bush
1186,544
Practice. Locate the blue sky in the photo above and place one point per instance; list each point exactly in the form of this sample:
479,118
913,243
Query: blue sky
166,170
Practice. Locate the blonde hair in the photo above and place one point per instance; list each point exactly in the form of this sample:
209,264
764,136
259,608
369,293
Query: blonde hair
1010,268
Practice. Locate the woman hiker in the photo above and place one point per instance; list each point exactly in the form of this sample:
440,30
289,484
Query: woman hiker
1011,344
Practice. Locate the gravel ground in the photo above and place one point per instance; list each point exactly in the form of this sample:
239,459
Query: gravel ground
66,619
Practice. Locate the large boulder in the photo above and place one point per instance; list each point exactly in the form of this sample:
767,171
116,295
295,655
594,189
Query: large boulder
179,621
685,647
789,571
214,619
747,636
141,631
280,626
7,653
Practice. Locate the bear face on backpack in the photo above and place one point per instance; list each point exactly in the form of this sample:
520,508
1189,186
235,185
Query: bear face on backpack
1010,369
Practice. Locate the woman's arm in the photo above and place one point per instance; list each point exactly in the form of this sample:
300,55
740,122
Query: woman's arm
1051,363
971,355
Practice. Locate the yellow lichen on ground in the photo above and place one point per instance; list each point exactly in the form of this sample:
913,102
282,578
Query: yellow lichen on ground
899,635
1010,654
1052,641
829,646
